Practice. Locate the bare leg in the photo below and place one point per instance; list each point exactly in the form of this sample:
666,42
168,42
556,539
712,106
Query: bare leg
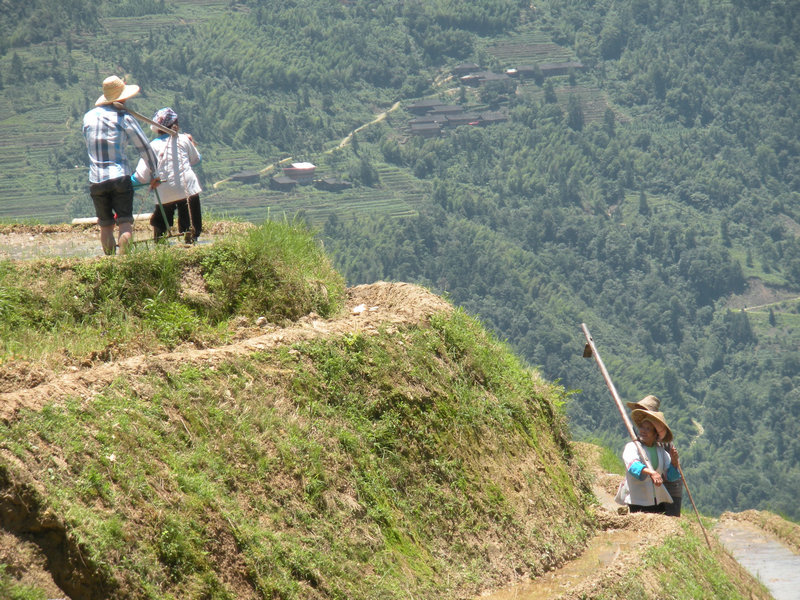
107,239
125,235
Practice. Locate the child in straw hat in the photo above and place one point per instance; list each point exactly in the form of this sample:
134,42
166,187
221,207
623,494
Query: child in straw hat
640,479
107,131
675,488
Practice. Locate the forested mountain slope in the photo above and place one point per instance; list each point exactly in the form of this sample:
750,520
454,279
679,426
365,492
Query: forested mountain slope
652,194
647,224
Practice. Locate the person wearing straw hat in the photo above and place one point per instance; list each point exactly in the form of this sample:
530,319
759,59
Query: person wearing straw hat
108,131
179,187
642,481
675,488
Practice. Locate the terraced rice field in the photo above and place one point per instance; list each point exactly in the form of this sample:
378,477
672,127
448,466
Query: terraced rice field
27,178
131,28
593,100
398,194
528,48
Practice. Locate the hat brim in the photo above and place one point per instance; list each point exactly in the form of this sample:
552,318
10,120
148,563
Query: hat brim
649,402
129,91
640,414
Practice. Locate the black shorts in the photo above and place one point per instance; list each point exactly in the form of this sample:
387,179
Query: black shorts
113,197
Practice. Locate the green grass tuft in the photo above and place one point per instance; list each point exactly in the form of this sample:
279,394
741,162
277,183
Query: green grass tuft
160,297
9,590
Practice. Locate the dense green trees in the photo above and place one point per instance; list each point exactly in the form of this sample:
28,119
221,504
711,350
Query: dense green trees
640,215
34,21
636,227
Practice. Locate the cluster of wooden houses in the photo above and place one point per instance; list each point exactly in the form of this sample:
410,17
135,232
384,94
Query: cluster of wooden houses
432,116
303,173
299,173
430,120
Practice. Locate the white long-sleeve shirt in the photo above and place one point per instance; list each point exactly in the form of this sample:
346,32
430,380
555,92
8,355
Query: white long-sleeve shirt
643,491
176,154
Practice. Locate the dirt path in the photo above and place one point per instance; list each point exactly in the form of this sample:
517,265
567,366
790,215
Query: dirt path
368,308
377,119
760,296
346,140
760,307
28,242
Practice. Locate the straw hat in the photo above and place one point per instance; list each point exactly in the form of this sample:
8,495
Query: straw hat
650,403
115,90
658,421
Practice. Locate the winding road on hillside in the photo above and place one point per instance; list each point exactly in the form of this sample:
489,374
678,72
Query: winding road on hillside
618,546
345,141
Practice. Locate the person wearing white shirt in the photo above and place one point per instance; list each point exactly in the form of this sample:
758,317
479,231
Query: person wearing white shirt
641,480
180,188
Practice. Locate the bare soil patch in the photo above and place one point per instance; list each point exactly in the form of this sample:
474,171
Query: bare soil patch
758,295
26,564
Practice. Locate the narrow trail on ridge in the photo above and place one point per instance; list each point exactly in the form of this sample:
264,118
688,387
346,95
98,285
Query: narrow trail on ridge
349,137
623,540
368,307
616,548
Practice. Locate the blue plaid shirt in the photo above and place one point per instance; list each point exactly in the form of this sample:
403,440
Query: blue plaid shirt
107,132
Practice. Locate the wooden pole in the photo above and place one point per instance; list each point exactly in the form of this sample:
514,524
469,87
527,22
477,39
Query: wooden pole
661,494
696,512
121,106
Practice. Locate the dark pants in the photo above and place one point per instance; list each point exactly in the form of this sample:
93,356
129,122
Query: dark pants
675,489
674,509
659,508
189,217
113,201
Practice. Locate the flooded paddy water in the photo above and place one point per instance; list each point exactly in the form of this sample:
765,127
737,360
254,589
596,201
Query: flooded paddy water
770,561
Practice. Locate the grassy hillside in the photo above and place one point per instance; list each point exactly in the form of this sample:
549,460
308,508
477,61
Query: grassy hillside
372,463
652,193
386,458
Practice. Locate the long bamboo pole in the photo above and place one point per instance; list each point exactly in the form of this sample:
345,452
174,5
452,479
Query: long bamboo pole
694,506
591,351
122,106
661,494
